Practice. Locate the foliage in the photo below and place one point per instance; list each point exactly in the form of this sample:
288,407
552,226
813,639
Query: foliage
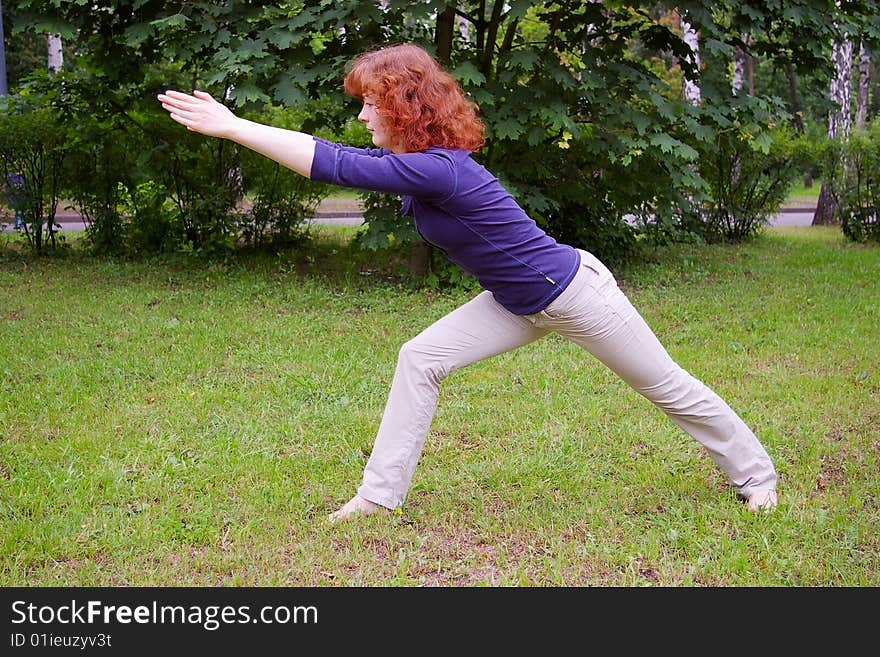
150,219
749,177
32,145
141,183
588,88
860,196
281,200
25,47
385,224
102,166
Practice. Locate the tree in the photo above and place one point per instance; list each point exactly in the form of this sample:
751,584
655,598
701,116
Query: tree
586,123
55,58
864,79
839,122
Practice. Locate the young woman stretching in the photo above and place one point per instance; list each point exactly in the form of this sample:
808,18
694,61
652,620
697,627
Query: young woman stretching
425,130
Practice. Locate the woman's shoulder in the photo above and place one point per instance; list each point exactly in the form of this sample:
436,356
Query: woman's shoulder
456,153
456,157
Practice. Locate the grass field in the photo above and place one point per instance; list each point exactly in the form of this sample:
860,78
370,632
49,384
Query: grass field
803,196
170,422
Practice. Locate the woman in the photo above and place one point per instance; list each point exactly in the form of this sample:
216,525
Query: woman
425,130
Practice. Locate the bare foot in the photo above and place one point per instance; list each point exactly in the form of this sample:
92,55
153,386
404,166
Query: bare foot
764,500
356,504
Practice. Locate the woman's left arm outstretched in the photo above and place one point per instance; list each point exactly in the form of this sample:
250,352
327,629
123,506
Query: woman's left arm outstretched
201,113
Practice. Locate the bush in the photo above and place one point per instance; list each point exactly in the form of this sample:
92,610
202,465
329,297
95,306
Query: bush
32,145
748,180
860,195
582,201
202,178
281,200
97,175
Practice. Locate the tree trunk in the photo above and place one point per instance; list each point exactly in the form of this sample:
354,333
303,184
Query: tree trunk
692,39
839,123
444,34
4,87
840,118
739,68
794,106
826,206
743,68
794,101
55,59
864,76
54,62
750,69
464,26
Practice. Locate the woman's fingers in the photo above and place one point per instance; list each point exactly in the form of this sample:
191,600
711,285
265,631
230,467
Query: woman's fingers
176,97
198,112
178,109
180,100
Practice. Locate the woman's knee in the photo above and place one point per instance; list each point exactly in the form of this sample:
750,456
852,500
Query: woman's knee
676,391
423,358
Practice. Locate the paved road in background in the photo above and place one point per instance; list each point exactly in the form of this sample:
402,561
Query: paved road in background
71,222
793,217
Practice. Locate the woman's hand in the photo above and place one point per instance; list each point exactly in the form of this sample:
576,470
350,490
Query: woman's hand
199,112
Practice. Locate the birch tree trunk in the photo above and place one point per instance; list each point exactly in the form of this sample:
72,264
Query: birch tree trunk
690,90
55,59
864,77
739,70
464,27
54,62
743,68
840,118
692,39
839,122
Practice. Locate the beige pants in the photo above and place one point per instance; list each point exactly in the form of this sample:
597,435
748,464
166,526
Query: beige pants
592,312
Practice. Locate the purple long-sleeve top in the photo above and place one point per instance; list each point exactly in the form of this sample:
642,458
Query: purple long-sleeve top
462,209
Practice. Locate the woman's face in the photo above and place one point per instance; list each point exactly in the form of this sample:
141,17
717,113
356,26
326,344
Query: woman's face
376,125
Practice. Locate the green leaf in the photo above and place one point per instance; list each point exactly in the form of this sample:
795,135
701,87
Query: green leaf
672,146
55,26
467,73
665,108
518,8
482,97
248,92
288,93
524,59
175,20
136,34
250,49
702,132
283,38
716,47
508,129
641,122
536,136
761,143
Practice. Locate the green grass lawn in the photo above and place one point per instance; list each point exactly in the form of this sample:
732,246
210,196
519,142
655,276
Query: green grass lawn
176,423
803,196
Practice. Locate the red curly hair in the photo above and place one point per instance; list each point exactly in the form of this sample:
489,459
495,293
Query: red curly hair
421,104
